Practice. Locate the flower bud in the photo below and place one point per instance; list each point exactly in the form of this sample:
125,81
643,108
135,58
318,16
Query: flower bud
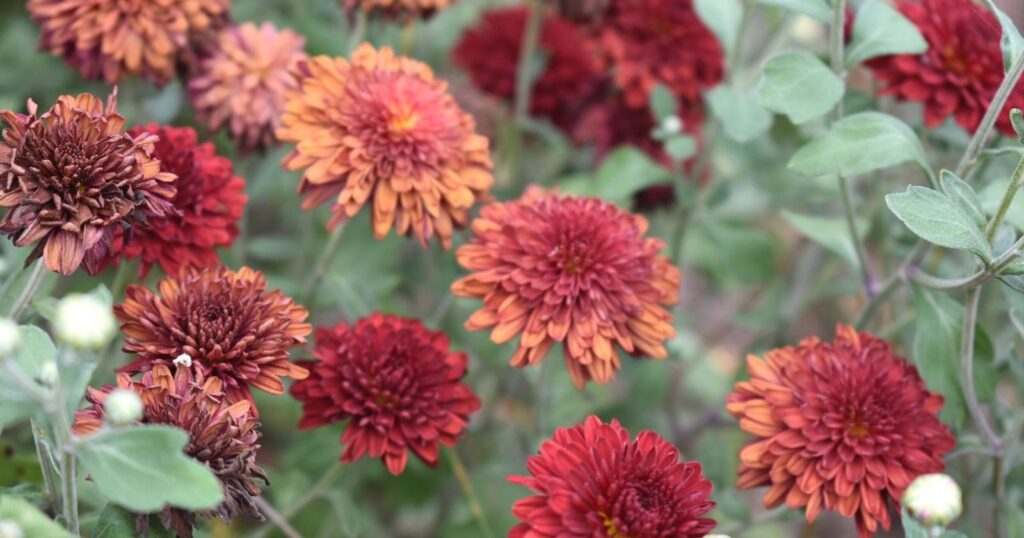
807,31
10,529
672,124
84,322
933,499
48,373
9,337
122,407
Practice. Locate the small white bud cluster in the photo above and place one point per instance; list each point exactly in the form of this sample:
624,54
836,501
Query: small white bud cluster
122,407
933,499
9,337
84,322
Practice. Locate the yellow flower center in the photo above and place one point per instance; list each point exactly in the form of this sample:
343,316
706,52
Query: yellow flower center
610,529
404,122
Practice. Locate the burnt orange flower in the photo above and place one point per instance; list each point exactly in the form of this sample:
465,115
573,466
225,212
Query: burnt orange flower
242,85
397,8
70,177
843,426
381,129
108,39
574,270
225,322
223,435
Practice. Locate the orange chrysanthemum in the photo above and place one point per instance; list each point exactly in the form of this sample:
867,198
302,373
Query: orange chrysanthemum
843,426
573,270
397,8
225,322
243,83
381,129
107,39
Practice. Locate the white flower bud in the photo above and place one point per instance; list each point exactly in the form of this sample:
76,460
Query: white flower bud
183,360
122,407
48,373
9,337
672,124
84,322
10,529
807,31
934,500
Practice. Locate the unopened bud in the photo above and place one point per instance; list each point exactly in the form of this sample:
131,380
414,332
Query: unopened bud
807,30
934,500
122,407
84,322
672,124
9,337
48,373
10,529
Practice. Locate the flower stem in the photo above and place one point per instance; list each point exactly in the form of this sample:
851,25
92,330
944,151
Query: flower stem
121,278
65,441
322,264
993,440
314,493
995,108
459,470
358,31
524,71
46,466
1011,192
276,518
28,292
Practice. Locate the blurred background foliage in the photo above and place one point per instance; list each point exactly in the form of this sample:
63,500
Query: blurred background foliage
767,262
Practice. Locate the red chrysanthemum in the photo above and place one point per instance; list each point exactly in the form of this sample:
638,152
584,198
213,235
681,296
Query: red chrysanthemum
959,73
395,382
574,270
490,53
209,202
843,426
660,41
592,481
227,323
223,435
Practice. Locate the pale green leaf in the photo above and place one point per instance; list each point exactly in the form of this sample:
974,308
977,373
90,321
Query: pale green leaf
937,219
1011,42
800,86
881,29
859,144
34,350
32,521
936,348
741,116
831,233
723,18
624,172
962,193
663,102
816,9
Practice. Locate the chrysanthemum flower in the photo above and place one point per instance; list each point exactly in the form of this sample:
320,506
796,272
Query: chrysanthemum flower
223,435
225,322
959,73
397,8
592,480
642,40
395,382
70,177
490,53
243,83
381,129
108,39
209,202
574,270
842,426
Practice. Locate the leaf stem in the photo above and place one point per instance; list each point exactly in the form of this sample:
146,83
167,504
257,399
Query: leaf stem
967,371
1004,206
28,292
980,138
459,470
322,265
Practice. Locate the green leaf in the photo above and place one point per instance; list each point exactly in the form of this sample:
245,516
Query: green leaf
35,349
681,147
1011,42
32,521
722,17
741,116
116,522
663,102
798,85
881,29
142,468
816,9
937,219
937,350
962,193
859,144
733,254
831,233
624,172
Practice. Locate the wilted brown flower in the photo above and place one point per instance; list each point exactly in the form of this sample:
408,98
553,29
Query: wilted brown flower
242,84
70,176
397,8
381,129
223,435
225,322
107,39
574,270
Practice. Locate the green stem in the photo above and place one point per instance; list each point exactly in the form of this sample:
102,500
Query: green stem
46,466
995,108
358,31
467,489
276,518
121,278
65,442
998,486
322,264
314,493
1011,192
967,371
28,292
524,71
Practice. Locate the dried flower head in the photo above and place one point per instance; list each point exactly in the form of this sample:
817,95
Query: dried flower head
381,129
108,39
843,426
224,435
209,202
592,480
70,177
959,73
243,83
225,323
395,382
405,9
579,271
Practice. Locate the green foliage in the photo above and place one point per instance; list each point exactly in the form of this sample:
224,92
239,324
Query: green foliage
937,350
798,85
880,29
817,9
127,463
742,118
963,194
913,529
859,144
624,172
1011,42
116,522
831,233
723,17
18,402
32,521
936,218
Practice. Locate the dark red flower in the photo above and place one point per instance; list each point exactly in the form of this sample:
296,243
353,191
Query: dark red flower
592,481
843,426
961,70
395,382
490,53
209,202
